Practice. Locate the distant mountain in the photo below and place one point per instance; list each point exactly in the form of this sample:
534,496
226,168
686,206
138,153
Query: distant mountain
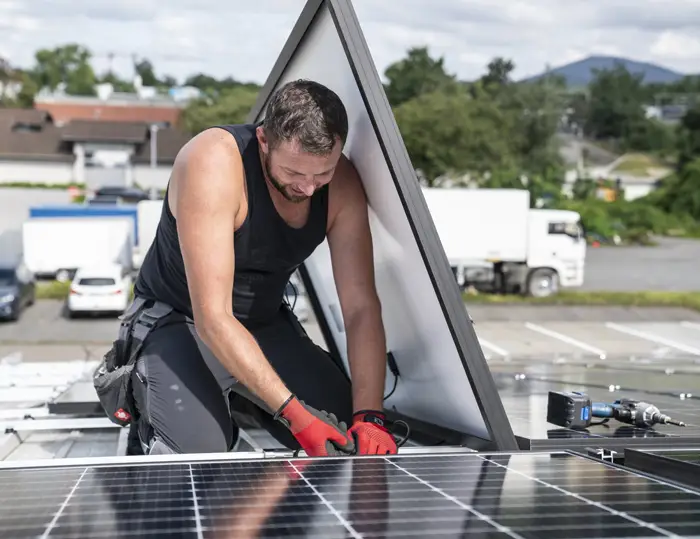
580,73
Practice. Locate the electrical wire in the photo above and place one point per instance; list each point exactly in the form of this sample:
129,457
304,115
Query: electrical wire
396,381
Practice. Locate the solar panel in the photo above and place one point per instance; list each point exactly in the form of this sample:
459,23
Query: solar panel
525,401
466,495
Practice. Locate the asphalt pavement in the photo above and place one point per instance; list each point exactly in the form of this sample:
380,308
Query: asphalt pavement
672,265
544,332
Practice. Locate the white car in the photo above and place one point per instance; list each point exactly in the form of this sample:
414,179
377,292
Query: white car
99,289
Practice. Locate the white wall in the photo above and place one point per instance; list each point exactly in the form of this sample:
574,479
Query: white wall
35,172
147,177
636,190
109,155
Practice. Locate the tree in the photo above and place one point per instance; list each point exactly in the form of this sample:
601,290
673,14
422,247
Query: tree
415,75
144,69
232,106
616,102
447,131
69,65
689,137
498,73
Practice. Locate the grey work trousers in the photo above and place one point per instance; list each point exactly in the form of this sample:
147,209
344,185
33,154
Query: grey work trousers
186,400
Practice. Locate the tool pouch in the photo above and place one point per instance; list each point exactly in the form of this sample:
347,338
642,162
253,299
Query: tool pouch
112,378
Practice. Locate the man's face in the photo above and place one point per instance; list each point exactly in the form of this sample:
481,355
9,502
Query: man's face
294,173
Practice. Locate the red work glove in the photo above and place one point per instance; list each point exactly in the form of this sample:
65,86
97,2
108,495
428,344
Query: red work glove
318,432
370,434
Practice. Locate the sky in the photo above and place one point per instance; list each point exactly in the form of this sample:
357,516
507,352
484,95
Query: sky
242,38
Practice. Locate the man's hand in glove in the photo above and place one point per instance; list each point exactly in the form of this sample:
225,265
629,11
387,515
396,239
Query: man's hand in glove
318,432
371,436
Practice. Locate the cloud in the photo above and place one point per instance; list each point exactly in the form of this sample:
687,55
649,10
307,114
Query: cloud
243,39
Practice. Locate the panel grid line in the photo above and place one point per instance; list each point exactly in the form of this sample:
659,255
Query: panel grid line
58,514
466,507
328,504
198,520
599,505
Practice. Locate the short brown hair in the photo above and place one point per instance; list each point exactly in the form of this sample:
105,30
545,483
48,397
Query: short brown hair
307,112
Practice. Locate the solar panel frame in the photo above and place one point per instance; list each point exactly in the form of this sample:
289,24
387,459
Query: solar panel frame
516,495
667,463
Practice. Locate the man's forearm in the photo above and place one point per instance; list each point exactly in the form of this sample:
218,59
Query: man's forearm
367,357
240,354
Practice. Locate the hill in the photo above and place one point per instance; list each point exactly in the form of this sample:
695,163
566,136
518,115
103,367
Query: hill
580,73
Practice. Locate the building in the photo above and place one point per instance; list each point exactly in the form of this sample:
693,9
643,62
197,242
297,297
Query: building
144,105
36,149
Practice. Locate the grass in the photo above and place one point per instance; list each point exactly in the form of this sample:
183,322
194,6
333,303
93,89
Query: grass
688,300
638,164
54,290
32,185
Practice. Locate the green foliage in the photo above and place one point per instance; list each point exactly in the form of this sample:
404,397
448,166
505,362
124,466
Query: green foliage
231,106
448,132
688,300
68,64
415,75
615,103
52,290
689,137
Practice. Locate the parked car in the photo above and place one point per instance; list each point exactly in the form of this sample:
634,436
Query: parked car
17,289
130,195
99,289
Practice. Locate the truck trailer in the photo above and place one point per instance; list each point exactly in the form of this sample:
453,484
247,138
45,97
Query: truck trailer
56,248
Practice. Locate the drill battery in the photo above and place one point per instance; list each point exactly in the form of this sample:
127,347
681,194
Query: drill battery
571,410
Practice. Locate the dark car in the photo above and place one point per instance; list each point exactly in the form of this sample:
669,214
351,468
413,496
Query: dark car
17,290
130,195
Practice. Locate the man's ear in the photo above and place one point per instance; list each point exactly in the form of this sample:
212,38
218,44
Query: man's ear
262,139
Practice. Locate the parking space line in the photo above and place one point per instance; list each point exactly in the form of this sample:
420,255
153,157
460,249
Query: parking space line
691,325
653,338
497,349
565,338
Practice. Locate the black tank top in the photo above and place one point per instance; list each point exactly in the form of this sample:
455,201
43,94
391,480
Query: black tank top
267,249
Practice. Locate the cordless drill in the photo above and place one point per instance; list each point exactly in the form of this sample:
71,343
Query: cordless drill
574,410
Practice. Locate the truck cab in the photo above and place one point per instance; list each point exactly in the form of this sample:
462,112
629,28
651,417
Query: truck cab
556,251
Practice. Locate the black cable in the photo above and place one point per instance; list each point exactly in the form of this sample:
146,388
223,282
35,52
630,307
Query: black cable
286,295
396,381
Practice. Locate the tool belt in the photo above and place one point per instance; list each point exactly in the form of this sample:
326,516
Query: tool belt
112,378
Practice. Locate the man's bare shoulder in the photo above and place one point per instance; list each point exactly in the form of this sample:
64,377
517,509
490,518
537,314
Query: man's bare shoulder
211,144
208,165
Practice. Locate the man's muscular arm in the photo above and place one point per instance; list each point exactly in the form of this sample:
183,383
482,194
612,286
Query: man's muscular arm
209,193
350,243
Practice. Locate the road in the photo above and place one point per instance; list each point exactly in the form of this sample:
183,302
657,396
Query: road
670,266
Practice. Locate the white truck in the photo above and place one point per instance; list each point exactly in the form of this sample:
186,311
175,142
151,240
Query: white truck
147,215
56,248
494,241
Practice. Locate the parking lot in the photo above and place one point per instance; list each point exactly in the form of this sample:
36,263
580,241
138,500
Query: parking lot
541,332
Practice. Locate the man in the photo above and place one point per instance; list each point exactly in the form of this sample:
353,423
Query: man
245,206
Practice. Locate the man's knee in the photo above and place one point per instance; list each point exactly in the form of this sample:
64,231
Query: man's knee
196,442
179,412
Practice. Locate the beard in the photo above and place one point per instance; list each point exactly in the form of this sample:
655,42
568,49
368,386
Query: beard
279,187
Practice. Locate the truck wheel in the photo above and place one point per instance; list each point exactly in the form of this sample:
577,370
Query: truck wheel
62,276
543,282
